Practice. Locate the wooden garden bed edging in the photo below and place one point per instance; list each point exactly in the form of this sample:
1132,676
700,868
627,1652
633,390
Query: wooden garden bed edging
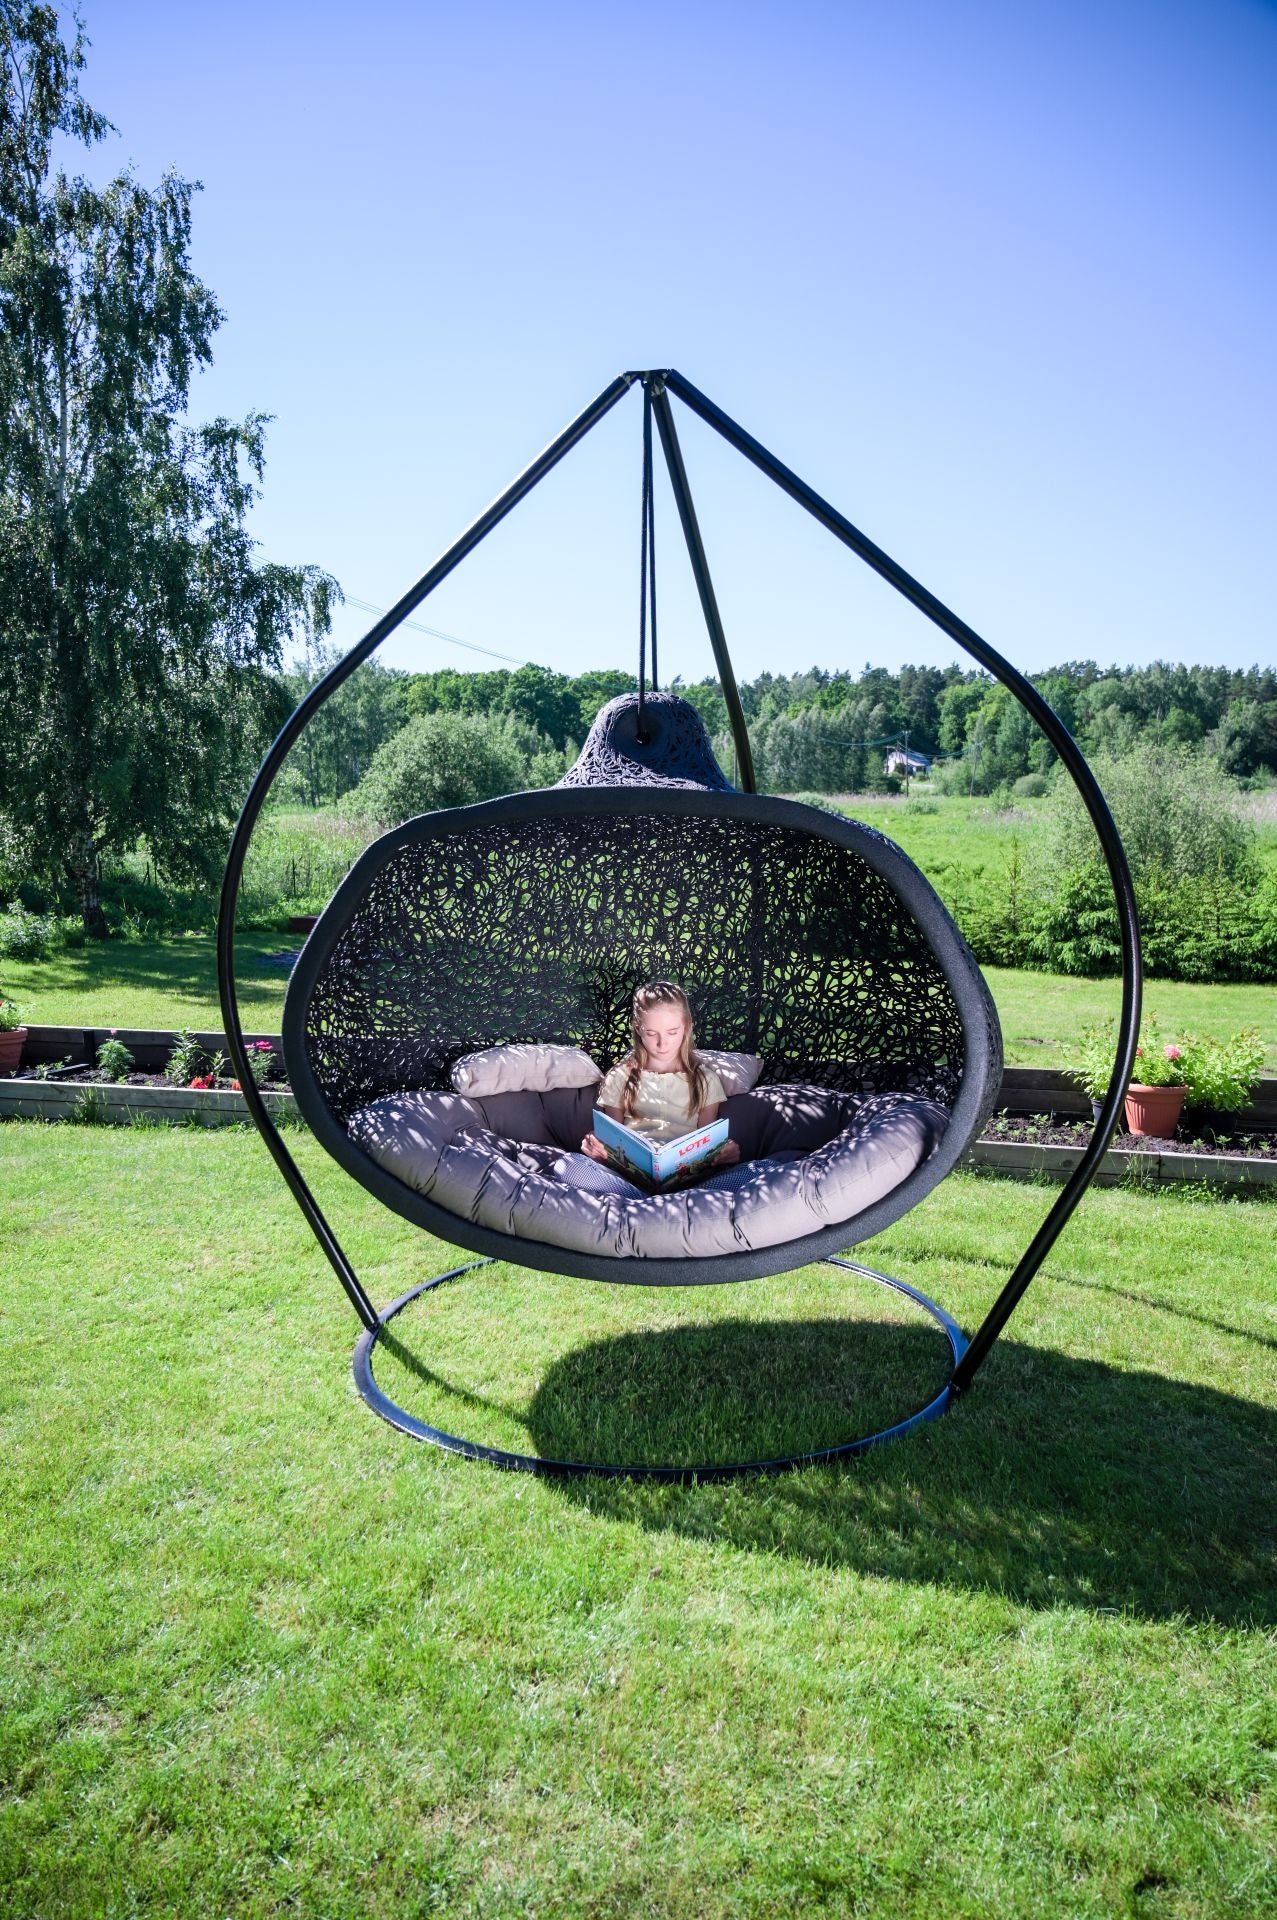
1023,1160
1024,1090
120,1105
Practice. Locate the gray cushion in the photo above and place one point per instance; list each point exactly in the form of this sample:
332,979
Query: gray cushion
491,1162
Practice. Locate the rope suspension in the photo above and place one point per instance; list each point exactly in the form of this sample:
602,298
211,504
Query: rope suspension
647,565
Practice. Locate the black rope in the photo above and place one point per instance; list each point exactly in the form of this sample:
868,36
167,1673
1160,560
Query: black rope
651,534
645,526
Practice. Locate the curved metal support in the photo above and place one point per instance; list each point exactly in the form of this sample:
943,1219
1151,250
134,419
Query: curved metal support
968,1362
296,723
416,1429
1096,805
704,585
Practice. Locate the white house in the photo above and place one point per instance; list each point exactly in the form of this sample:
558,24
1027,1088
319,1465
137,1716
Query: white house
917,765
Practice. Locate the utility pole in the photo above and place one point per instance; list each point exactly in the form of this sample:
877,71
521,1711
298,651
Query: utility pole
906,763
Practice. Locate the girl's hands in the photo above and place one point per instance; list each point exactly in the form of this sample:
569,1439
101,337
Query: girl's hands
595,1148
728,1154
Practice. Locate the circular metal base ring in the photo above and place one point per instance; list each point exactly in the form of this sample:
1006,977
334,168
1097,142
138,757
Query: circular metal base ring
408,1423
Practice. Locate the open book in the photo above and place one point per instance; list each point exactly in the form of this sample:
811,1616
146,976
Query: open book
656,1161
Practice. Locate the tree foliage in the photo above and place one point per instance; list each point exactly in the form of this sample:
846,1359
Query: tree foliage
337,747
549,703
439,760
140,635
1175,810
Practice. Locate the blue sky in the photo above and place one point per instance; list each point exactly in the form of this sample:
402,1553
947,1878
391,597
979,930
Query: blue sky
998,279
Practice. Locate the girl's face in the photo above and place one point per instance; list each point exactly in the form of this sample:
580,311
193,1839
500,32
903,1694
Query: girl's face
661,1029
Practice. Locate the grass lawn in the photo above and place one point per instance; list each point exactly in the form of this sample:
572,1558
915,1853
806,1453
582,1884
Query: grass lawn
263,1655
173,983
1042,1013
956,830
952,831
148,983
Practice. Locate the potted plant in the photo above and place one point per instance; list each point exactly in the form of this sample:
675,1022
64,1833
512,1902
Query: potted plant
1095,1066
13,1036
1167,1075
1155,1092
1220,1074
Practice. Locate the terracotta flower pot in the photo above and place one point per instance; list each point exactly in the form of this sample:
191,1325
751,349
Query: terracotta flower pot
1154,1110
11,1045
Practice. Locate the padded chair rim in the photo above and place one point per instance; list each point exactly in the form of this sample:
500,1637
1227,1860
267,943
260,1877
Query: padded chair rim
981,1070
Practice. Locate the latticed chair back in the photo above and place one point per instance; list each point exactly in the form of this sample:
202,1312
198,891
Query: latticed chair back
502,923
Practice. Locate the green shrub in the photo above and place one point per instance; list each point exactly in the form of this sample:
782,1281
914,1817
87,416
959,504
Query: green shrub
1176,811
999,915
1077,930
1206,910
439,760
1216,1074
186,1060
1220,1074
114,1059
1031,786
25,935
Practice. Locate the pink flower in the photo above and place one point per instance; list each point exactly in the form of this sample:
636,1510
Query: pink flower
1172,1053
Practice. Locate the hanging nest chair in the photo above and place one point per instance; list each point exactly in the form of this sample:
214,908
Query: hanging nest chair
805,940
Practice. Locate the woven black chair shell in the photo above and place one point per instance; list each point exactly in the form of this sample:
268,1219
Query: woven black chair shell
805,938
801,936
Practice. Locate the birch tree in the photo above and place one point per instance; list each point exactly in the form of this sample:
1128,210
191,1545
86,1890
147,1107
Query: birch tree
139,633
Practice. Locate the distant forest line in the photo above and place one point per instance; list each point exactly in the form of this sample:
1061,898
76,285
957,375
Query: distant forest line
814,731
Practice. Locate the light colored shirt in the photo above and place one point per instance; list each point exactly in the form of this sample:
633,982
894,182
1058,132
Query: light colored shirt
663,1104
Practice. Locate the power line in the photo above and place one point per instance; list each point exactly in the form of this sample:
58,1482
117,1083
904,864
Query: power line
436,633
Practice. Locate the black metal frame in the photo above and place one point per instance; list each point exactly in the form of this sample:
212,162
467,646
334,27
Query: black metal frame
658,385
416,1429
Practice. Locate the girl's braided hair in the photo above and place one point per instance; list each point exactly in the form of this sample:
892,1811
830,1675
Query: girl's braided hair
663,993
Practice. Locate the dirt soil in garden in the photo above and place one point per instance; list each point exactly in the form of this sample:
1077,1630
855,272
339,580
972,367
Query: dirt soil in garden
1060,1130
91,1076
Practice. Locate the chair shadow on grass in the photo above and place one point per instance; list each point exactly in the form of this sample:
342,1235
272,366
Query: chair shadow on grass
1056,1481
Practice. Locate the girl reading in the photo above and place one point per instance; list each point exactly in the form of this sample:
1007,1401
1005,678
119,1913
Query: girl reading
662,1088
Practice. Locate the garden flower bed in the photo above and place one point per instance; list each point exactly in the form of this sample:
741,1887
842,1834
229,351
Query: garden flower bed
1028,1145
139,1097
61,1080
1041,1129
1064,1130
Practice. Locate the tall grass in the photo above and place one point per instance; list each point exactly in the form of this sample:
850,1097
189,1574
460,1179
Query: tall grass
296,861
